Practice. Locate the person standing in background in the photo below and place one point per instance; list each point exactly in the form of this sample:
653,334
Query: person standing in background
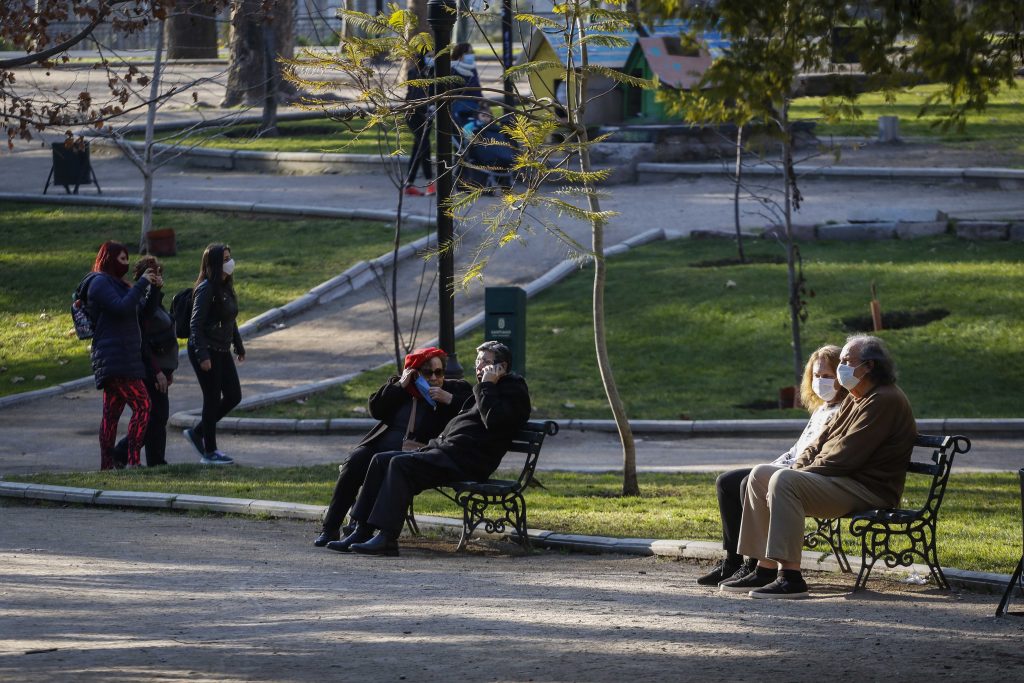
160,357
212,334
117,365
419,120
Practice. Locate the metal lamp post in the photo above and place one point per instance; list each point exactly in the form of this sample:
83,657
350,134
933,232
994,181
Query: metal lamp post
441,17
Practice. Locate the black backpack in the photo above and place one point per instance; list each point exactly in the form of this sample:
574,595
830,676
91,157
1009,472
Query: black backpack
181,311
81,316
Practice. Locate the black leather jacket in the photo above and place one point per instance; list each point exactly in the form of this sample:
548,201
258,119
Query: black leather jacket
385,403
213,326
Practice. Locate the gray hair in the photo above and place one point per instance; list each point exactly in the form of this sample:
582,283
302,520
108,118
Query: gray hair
874,349
502,354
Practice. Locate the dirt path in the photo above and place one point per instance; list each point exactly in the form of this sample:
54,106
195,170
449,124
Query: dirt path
93,594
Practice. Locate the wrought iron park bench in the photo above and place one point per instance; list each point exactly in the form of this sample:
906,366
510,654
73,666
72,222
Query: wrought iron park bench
504,497
897,536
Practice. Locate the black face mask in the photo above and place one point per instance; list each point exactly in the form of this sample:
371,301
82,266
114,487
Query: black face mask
119,269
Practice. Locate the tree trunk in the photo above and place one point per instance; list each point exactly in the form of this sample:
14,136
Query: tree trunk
419,8
246,71
630,485
147,152
396,330
252,77
273,78
789,183
736,193
191,31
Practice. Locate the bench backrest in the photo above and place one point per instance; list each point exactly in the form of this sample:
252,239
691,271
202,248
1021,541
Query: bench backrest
944,449
528,440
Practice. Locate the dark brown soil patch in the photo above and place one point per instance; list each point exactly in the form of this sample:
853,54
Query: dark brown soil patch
759,405
895,320
754,259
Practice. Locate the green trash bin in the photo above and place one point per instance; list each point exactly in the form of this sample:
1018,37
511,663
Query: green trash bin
505,322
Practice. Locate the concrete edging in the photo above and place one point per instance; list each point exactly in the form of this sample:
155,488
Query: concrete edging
1005,177
189,418
683,549
226,206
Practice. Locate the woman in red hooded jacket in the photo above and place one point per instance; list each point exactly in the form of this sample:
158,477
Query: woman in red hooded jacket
413,407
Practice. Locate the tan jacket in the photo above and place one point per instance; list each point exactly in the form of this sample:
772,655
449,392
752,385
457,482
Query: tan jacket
869,440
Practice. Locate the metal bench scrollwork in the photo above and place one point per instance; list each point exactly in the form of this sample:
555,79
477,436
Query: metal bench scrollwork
898,537
497,503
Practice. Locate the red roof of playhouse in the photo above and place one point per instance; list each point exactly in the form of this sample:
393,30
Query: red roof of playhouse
673,69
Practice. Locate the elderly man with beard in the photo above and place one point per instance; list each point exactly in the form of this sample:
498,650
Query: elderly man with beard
470,448
858,462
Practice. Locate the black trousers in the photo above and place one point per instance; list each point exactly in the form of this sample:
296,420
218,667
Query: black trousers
731,486
393,480
221,392
156,430
420,157
350,477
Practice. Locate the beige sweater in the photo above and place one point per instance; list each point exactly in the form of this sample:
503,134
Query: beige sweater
870,440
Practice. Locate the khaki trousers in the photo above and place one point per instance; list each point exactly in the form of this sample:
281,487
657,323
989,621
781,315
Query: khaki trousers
777,501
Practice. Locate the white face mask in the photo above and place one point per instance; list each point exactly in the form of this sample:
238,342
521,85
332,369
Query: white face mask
825,388
846,377
229,266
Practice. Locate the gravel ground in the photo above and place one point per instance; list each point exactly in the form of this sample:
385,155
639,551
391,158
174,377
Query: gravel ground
96,594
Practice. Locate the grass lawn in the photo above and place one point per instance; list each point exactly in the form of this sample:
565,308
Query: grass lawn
314,135
979,529
999,126
47,250
685,346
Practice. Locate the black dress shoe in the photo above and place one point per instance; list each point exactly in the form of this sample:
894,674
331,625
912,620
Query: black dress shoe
326,537
381,544
358,536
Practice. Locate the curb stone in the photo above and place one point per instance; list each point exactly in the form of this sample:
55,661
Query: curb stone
1003,177
985,582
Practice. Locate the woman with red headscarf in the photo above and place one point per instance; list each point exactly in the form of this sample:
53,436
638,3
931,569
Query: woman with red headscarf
113,305
411,409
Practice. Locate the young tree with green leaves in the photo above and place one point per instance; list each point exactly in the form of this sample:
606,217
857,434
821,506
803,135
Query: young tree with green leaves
753,83
552,145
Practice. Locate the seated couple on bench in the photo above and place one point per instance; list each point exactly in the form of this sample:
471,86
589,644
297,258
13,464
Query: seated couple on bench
467,428
853,456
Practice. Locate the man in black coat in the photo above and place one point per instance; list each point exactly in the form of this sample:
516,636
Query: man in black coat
403,414
470,448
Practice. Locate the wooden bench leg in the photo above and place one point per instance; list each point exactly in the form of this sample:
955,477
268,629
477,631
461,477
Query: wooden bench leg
1015,582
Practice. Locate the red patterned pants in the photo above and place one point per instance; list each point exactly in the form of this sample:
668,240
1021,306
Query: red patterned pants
118,391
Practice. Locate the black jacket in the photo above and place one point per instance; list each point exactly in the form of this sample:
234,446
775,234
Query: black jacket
213,326
159,343
387,401
117,341
478,437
